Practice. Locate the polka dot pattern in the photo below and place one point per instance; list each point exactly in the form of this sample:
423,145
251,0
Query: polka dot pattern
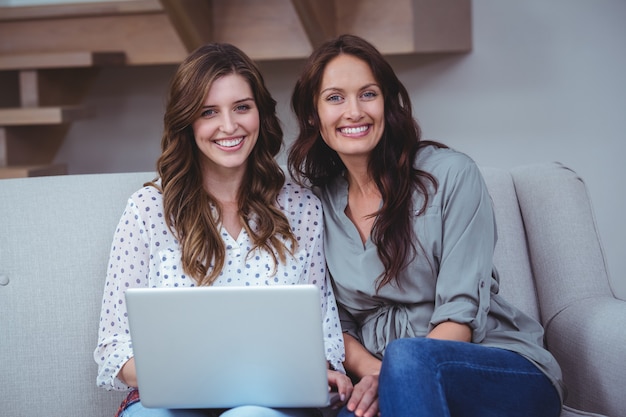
144,253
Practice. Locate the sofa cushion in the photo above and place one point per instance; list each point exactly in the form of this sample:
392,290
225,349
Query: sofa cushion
54,246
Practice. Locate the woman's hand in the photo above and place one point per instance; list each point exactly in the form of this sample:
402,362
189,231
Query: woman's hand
360,363
364,399
341,384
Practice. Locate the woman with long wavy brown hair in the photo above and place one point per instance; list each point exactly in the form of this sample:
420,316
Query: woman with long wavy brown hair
409,240
219,213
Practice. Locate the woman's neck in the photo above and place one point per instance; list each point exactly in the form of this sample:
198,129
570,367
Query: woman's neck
224,187
359,178
363,200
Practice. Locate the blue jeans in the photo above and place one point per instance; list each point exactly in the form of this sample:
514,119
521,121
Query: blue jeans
138,410
436,378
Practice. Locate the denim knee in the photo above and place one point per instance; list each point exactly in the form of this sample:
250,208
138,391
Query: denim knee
408,351
257,411
138,410
248,411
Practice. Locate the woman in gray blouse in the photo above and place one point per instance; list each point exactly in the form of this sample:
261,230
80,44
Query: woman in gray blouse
409,239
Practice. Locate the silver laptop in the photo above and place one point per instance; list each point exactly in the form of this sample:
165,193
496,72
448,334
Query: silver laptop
221,347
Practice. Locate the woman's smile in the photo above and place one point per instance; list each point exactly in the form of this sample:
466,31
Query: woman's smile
354,130
230,144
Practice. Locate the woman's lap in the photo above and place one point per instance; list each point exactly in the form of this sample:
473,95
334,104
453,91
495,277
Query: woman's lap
464,379
138,410
254,411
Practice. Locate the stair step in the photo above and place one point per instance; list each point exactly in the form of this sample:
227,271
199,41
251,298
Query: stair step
48,60
28,116
23,171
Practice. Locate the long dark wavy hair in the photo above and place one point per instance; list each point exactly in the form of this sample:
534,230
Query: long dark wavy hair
187,204
391,163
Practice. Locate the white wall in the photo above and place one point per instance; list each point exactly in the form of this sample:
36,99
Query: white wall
546,81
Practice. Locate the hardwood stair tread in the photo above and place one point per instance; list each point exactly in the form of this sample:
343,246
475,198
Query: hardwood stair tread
28,116
49,60
23,171
79,9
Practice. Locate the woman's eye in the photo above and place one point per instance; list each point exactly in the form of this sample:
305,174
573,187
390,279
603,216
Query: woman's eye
242,108
208,113
369,94
333,98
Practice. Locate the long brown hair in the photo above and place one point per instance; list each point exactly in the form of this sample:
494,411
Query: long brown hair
186,204
391,163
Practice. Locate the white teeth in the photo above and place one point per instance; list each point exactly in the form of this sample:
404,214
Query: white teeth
354,130
229,143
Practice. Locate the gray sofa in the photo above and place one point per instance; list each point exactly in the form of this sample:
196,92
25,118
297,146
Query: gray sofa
56,234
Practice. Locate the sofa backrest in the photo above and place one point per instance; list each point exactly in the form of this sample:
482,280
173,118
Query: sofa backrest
54,245
511,256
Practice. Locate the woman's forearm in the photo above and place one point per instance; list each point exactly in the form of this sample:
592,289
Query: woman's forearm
449,330
127,374
359,362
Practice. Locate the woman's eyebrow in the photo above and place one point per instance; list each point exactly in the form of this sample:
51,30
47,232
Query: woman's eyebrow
341,89
234,102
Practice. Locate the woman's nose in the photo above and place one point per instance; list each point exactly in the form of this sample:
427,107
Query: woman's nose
229,125
354,110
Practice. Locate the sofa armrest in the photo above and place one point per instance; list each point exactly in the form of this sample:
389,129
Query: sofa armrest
563,242
584,321
588,339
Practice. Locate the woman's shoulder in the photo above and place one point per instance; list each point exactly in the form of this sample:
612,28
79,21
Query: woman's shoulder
294,195
444,162
295,191
147,196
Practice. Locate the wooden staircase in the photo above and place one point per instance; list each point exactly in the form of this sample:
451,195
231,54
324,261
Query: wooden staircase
41,97
50,54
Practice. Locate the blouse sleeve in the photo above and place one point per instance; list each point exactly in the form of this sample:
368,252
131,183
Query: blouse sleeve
468,239
317,275
333,336
128,267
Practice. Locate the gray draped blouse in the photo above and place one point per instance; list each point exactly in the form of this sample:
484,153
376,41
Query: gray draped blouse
452,277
